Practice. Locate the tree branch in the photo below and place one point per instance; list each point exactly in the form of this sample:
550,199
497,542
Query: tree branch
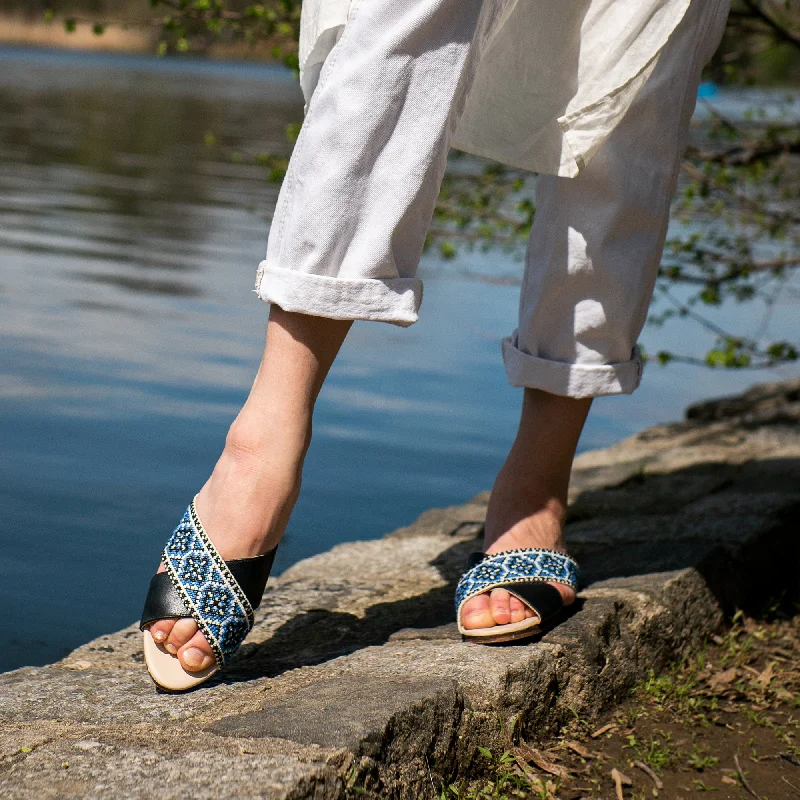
754,205
743,155
781,33
734,274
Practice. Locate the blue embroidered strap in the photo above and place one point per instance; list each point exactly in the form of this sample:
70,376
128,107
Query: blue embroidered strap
516,566
207,588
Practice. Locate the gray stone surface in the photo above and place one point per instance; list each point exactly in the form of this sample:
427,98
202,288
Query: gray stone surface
363,682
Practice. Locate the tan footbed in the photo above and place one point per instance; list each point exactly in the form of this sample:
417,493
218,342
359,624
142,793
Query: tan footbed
500,638
499,633
166,670
502,633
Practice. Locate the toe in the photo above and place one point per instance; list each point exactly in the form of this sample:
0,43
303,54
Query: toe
161,630
500,606
567,593
182,631
476,614
196,654
517,608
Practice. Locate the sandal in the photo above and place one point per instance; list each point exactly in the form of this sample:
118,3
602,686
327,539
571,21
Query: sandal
219,595
523,573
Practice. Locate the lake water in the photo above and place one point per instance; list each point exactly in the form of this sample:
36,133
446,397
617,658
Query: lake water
130,336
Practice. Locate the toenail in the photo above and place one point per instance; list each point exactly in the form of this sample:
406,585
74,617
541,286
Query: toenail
159,636
170,648
194,657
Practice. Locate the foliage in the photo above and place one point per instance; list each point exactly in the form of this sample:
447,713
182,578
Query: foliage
740,237
502,777
734,696
740,206
188,24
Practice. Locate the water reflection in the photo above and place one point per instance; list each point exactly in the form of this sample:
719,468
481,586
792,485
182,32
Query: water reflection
130,337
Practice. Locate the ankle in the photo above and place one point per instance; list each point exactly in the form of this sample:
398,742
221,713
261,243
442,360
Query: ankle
247,470
517,494
246,502
540,528
533,479
530,513
251,439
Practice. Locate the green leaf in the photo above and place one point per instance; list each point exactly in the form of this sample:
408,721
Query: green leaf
254,11
292,131
782,351
715,358
664,357
447,250
98,29
70,25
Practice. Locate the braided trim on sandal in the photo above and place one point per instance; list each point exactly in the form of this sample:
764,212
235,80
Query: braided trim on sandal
208,589
523,565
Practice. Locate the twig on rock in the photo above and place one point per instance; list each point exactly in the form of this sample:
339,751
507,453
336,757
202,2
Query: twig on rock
647,771
619,779
604,729
579,749
791,759
790,784
742,778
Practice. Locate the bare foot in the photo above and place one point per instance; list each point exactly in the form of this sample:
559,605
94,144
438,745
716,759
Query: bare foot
528,505
542,527
245,504
244,507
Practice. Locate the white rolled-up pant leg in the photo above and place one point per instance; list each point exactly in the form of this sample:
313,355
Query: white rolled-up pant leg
362,182
597,239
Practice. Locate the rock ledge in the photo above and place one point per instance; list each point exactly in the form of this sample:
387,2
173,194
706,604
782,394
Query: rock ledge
363,683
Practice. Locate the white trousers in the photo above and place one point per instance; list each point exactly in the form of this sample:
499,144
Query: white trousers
362,184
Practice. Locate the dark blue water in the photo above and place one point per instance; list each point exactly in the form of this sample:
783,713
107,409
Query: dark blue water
130,336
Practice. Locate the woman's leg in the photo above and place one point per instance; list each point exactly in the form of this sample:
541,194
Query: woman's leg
246,503
345,243
590,269
528,503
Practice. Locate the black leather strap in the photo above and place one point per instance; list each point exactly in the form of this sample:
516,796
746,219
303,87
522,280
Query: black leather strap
164,602
252,575
474,559
543,598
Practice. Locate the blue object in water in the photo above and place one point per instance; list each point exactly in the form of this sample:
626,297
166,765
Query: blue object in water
707,89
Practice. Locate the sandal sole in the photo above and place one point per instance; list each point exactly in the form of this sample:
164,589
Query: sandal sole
502,633
165,669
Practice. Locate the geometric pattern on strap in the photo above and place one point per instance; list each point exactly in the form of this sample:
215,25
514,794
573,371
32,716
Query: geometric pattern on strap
524,565
208,590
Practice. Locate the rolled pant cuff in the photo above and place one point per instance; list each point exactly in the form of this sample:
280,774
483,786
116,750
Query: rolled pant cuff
570,380
394,300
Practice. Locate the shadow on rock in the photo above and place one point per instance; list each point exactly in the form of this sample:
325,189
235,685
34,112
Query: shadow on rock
737,525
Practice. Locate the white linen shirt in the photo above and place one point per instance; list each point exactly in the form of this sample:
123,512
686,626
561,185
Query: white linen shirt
555,78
